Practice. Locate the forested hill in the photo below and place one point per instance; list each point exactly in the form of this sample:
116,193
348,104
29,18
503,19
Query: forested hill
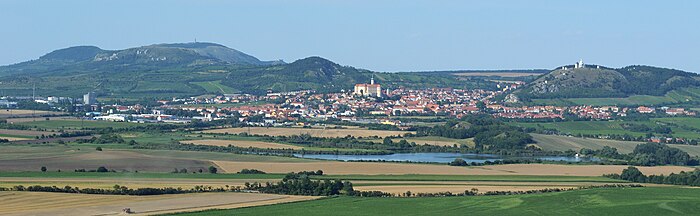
602,82
93,59
191,69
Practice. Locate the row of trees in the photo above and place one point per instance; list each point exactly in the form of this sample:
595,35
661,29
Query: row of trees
683,178
488,133
301,184
647,154
118,190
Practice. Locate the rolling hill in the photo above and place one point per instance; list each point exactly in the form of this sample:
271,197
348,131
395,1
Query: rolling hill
190,69
575,84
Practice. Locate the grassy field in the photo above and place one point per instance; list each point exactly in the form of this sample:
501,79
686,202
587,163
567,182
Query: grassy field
277,131
603,201
563,143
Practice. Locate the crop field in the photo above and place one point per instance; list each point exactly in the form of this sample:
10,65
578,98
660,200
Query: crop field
7,113
277,131
377,168
602,201
25,133
563,143
68,159
30,119
42,203
77,124
14,135
242,144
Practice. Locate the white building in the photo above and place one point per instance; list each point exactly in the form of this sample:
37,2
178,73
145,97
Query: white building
370,89
579,64
89,99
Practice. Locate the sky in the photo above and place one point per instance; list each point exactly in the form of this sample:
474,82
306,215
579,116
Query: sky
374,34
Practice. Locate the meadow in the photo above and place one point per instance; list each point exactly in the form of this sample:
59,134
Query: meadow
601,201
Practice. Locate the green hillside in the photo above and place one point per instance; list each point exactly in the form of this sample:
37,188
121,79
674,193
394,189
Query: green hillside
594,85
168,70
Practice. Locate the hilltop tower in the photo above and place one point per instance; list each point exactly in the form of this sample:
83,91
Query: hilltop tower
579,64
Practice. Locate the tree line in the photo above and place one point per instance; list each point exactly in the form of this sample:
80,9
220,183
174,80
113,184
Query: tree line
633,174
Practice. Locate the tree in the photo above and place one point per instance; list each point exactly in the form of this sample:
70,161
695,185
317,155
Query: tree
632,174
212,170
387,141
98,148
43,169
102,169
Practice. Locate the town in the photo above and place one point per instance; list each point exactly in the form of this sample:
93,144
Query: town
367,103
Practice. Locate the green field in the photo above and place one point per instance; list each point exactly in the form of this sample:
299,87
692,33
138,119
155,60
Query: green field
602,201
682,121
563,143
215,87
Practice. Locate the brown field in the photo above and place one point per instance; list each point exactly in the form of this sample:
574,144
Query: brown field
20,120
26,132
242,144
14,138
21,112
108,183
313,132
373,168
504,74
42,203
117,160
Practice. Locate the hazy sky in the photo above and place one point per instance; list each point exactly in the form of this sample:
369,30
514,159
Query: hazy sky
376,35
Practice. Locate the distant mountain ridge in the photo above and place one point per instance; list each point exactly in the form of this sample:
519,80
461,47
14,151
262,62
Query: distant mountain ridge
190,69
150,56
